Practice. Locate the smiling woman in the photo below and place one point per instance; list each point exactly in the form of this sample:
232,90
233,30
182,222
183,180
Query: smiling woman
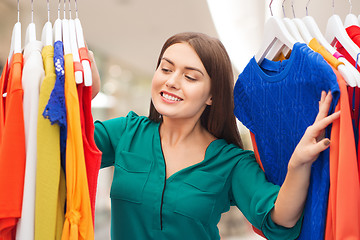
203,61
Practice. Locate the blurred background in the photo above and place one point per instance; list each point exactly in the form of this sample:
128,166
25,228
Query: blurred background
126,37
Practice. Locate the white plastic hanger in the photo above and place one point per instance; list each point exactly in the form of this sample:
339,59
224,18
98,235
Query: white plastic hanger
31,29
46,36
274,30
335,31
57,27
66,33
351,19
291,27
81,44
350,74
304,32
74,47
15,46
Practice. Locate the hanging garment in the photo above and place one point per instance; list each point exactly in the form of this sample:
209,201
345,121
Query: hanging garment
92,153
277,102
317,47
343,215
78,218
147,204
55,110
354,93
33,73
12,156
48,162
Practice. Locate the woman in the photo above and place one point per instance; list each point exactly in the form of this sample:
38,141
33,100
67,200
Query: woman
179,169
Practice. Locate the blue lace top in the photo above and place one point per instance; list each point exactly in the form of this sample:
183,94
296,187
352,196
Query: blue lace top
277,101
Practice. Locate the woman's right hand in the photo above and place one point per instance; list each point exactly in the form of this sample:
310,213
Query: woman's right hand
95,75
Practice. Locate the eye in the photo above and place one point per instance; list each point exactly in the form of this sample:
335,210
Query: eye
190,78
165,70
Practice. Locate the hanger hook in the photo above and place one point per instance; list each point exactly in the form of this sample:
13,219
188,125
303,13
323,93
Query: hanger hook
18,13
350,6
333,6
270,8
32,11
293,10
59,10
48,7
69,10
76,9
64,9
282,5
306,8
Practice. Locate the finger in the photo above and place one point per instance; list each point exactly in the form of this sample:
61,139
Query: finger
324,106
321,146
320,125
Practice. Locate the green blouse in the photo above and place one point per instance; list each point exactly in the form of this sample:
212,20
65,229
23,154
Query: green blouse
189,203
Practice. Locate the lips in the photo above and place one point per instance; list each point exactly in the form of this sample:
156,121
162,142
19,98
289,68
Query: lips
170,97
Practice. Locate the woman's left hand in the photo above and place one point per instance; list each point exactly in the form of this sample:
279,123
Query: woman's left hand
313,141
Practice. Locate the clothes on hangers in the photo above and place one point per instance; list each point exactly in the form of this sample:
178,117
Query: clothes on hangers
354,93
78,218
277,102
50,184
92,153
32,75
343,214
12,156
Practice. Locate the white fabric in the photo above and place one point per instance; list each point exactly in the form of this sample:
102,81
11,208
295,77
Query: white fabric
32,76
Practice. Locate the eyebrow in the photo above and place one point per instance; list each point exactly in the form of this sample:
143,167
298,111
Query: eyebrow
188,68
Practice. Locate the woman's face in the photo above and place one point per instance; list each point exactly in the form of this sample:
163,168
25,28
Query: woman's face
181,86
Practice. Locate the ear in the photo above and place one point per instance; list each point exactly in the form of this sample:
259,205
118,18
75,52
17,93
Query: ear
209,101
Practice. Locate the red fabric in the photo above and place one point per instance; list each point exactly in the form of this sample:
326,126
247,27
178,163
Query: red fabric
78,67
343,216
12,150
354,34
83,52
92,153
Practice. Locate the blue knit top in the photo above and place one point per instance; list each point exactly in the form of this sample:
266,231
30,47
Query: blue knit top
277,101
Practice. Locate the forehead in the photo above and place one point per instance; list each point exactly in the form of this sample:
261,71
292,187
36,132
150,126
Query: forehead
183,53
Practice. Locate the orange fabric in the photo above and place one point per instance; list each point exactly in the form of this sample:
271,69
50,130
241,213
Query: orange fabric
78,218
343,217
316,46
12,150
256,152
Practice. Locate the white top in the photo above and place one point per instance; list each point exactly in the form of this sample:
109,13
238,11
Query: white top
32,76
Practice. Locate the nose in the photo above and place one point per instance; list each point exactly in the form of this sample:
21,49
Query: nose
173,81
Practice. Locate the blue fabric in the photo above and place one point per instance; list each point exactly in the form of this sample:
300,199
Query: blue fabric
55,110
277,101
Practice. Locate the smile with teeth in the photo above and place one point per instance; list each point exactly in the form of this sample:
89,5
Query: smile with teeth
170,98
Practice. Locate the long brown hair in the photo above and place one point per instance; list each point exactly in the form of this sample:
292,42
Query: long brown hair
217,118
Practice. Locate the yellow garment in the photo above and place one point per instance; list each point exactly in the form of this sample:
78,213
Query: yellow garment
60,216
280,57
48,159
316,46
78,218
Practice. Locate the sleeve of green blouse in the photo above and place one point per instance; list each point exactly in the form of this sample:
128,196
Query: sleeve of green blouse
107,135
255,197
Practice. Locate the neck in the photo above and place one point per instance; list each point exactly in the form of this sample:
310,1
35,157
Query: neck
175,131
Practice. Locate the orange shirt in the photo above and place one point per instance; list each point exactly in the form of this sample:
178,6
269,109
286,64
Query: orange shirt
78,218
12,150
343,216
